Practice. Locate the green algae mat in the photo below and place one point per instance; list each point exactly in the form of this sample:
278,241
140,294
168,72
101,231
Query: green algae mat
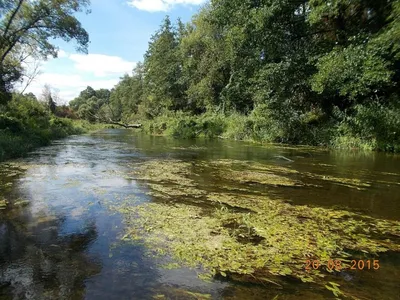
217,216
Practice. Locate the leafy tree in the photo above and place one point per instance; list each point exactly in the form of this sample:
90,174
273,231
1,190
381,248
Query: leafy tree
280,71
90,104
361,62
163,68
206,68
48,99
29,26
127,96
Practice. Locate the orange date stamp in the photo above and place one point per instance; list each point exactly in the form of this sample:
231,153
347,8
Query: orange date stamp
338,265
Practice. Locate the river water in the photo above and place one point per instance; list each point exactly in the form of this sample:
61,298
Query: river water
60,240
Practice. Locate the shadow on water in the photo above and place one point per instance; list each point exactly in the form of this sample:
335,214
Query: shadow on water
39,263
64,243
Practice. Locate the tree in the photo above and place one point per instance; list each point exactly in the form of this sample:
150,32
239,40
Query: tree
89,104
127,96
363,55
206,66
33,24
31,72
48,97
163,69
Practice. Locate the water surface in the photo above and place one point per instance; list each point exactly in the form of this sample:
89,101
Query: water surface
60,240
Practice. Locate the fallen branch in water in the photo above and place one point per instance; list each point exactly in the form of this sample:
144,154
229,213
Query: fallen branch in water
125,125
103,119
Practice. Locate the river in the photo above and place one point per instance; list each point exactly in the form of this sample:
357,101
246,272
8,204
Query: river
59,238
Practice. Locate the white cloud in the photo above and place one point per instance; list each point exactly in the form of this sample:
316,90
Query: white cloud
101,65
95,70
161,5
68,86
62,54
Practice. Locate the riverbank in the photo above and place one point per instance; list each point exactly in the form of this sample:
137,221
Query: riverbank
26,124
14,145
378,135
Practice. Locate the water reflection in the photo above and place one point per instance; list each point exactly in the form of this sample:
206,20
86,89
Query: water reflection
66,245
37,262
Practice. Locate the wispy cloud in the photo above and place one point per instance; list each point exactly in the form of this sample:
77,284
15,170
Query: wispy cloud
161,5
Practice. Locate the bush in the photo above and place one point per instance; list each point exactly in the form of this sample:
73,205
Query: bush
212,125
186,129
183,125
238,127
26,124
372,126
10,123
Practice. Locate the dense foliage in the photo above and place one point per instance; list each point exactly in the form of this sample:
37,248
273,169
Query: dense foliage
92,105
26,123
316,72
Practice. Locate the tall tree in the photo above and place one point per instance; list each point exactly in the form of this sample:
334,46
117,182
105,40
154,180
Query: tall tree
162,68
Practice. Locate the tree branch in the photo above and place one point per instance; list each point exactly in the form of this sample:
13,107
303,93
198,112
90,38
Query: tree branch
31,77
12,18
17,36
124,125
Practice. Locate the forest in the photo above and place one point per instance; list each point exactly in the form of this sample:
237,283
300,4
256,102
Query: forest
300,72
322,73
206,198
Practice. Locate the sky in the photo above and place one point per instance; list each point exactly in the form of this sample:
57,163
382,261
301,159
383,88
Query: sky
119,32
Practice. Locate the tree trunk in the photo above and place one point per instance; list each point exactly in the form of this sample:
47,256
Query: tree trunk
125,125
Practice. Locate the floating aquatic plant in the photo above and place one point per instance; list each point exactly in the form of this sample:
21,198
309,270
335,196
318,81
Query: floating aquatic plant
3,203
247,236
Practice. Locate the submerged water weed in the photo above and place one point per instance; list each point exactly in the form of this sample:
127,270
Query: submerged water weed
165,191
247,236
250,176
168,292
247,172
240,164
173,171
8,173
252,172
348,182
168,178
3,203
276,239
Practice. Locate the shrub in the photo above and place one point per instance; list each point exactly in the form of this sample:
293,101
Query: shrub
372,126
26,124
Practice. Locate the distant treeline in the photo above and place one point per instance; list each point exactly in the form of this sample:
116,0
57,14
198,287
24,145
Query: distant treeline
303,72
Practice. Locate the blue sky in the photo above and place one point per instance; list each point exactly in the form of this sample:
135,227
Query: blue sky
119,32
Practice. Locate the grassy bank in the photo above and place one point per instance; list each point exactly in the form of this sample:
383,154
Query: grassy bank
367,127
26,124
